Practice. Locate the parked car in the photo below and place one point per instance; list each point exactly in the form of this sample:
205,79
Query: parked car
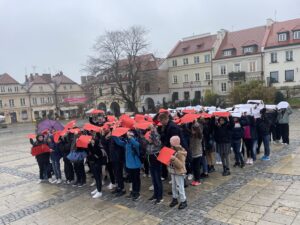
2,122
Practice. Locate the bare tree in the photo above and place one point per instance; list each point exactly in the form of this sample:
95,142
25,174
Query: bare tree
118,55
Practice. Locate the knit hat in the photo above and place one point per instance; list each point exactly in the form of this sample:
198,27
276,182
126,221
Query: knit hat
175,141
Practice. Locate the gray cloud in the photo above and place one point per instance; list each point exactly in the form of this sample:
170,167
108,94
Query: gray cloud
57,35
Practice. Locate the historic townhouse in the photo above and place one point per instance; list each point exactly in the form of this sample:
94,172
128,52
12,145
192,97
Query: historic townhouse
282,54
239,59
190,66
14,101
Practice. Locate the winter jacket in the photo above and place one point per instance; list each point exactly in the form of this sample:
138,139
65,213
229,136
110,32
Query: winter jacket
116,152
222,133
96,154
177,166
237,132
208,137
283,115
57,151
132,152
170,130
263,126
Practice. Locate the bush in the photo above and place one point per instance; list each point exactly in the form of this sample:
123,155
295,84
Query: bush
210,98
252,90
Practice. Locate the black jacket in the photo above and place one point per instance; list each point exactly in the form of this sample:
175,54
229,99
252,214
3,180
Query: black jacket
222,133
116,152
263,125
170,130
44,157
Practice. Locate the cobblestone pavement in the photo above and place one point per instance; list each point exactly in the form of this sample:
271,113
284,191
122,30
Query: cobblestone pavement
265,193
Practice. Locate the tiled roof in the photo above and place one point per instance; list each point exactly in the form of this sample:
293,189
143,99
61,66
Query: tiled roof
7,79
277,27
192,46
240,39
37,79
62,79
148,62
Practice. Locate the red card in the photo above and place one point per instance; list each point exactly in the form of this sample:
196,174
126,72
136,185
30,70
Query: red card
189,118
165,155
70,125
142,125
32,136
97,111
91,127
111,118
139,118
56,136
119,131
189,111
83,141
127,122
74,130
40,149
221,114
206,115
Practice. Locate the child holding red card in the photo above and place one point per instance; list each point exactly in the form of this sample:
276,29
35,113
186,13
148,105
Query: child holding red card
177,170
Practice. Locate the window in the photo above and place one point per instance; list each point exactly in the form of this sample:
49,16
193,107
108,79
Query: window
282,37
22,101
24,115
297,34
42,100
274,77
16,89
223,70
207,75
9,89
289,75
237,67
186,78
1,104
34,101
2,89
100,92
11,103
196,59
274,57
147,87
41,88
289,55
252,66
175,96
197,95
174,62
175,79
223,87
227,53
65,87
49,99
71,86
248,50
186,95
185,61
207,58
112,90
197,76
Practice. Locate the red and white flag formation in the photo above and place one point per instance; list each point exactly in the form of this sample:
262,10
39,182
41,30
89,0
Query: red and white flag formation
40,149
76,100
165,155
83,141
91,127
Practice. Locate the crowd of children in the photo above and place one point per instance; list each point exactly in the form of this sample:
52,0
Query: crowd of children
197,144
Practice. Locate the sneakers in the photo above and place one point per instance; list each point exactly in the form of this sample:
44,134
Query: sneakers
94,192
162,178
190,177
151,188
136,197
111,186
251,162
226,172
93,184
75,184
265,158
211,169
81,185
59,181
97,195
237,164
130,187
173,203
120,193
130,196
218,162
152,199
242,164
203,175
182,205
195,183
39,181
158,201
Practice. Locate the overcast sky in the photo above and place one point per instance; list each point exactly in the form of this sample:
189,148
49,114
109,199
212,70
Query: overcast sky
53,35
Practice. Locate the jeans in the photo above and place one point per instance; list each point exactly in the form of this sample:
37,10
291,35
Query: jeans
204,164
254,148
56,169
196,168
178,187
44,169
80,173
156,181
266,141
134,175
236,146
118,172
69,170
97,172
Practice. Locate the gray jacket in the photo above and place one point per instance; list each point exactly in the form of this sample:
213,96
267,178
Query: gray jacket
283,115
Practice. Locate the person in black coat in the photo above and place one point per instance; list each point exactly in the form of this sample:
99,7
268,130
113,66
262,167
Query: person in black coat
263,129
43,159
237,134
68,166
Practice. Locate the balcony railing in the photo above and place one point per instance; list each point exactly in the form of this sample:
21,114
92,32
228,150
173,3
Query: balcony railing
237,76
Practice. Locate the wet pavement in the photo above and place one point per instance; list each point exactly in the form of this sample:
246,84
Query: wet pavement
265,193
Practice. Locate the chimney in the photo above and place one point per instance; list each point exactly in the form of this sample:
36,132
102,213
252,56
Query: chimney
31,77
60,73
26,79
269,22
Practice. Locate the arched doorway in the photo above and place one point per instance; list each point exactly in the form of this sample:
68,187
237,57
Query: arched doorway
150,106
102,106
115,108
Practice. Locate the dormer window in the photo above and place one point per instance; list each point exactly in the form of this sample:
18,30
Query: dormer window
249,49
227,52
282,36
296,34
